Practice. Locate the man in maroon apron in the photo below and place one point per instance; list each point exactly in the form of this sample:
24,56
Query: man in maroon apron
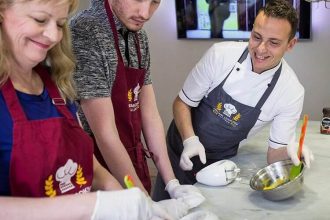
116,94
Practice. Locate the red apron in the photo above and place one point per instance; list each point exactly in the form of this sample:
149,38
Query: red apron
50,157
125,99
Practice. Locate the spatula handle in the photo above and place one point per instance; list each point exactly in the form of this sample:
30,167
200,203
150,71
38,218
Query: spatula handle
302,135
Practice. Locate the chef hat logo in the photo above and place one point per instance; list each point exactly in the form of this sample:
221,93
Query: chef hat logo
229,109
64,174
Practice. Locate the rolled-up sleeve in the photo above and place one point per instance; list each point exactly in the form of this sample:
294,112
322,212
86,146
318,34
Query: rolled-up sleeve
283,127
201,78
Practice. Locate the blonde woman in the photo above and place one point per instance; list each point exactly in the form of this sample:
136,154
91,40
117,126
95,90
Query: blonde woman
43,150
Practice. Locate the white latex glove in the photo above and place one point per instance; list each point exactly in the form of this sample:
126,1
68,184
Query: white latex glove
159,211
176,208
192,147
130,204
189,194
292,150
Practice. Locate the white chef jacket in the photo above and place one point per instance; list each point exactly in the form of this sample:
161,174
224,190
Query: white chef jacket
282,108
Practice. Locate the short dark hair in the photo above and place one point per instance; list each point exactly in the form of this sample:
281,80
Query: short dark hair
282,9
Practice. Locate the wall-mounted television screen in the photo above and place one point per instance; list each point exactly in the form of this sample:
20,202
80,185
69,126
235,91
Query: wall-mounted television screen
229,19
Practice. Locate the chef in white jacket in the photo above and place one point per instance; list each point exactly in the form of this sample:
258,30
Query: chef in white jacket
233,92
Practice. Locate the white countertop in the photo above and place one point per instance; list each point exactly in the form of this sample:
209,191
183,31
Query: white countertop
238,201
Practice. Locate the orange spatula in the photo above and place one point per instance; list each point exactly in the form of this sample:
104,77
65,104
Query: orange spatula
295,170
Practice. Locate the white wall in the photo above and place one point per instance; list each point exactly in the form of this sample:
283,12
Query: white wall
172,59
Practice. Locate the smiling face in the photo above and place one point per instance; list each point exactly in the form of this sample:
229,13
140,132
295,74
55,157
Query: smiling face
269,41
134,13
32,28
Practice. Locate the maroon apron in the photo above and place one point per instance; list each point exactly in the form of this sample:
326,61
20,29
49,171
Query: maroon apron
50,157
126,104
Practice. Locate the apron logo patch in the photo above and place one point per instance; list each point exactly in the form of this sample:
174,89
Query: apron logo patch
228,113
80,179
133,98
219,106
49,189
64,175
229,110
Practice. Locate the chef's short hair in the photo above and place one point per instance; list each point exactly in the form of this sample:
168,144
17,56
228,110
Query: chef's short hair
282,9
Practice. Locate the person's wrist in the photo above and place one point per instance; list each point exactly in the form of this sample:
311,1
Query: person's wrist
171,185
189,140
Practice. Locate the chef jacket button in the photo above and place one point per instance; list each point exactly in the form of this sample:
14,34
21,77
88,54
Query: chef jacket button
237,69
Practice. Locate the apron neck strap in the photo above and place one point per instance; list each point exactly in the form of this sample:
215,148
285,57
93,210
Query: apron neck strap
53,92
271,85
113,28
243,56
13,104
270,88
240,60
138,49
16,111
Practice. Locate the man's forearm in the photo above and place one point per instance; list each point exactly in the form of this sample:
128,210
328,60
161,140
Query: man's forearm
120,164
182,118
154,134
274,155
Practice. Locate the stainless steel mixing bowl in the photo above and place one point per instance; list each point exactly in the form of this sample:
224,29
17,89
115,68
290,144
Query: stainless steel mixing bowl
274,174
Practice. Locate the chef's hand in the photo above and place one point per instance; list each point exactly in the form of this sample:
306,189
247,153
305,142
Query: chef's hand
192,147
292,150
174,207
126,204
189,194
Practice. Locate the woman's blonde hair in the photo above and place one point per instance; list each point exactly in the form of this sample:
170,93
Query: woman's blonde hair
60,58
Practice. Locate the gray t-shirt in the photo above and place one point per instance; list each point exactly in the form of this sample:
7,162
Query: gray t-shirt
93,45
